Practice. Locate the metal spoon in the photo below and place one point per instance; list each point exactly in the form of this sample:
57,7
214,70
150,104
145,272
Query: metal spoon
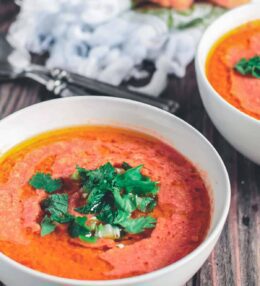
64,83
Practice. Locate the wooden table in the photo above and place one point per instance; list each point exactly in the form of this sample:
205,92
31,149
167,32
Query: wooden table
236,257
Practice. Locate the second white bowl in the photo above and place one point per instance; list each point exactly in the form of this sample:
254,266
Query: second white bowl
240,130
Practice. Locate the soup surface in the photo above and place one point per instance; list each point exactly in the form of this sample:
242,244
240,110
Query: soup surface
182,210
242,91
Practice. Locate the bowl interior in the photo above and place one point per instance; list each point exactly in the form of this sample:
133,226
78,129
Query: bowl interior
125,113
224,24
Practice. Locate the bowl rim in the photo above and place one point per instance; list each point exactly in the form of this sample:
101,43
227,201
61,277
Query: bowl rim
201,68
215,232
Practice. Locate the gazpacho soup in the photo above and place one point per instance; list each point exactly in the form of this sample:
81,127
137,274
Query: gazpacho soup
99,203
233,68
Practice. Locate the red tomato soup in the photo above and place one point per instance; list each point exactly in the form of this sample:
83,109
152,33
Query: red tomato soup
156,209
240,90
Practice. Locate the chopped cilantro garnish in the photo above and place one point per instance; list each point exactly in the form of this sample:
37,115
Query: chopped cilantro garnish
88,239
79,228
97,200
47,226
126,166
111,198
107,214
45,182
130,202
56,206
249,67
114,197
101,176
133,181
139,224
146,204
125,202
120,216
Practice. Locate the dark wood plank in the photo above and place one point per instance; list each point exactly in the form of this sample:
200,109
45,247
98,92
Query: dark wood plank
225,249
248,221
14,97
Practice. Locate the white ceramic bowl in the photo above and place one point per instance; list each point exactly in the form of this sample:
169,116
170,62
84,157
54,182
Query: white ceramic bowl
240,130
119,112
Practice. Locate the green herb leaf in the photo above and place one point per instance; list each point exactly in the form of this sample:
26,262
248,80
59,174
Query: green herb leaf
120,217
101,176
133,181
45,182
62,219
126,203
83,209
76,176
146,204
114,197
88,239
47,226
108,213
249,67
78,227
57,206
97,199
126,166
138,225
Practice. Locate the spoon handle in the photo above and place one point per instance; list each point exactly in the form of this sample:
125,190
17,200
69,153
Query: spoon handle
64,84
95,87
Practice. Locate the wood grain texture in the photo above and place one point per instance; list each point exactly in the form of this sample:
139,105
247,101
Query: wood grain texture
235,260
